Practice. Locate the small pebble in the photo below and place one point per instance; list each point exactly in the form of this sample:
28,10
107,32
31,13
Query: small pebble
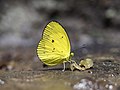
2,82
91,84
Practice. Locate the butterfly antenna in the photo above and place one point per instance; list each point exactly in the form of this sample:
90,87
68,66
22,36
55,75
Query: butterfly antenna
63,66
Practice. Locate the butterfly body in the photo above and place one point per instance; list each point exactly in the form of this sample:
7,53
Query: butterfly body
54,46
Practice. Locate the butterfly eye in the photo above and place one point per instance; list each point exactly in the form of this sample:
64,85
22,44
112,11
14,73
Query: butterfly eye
52,41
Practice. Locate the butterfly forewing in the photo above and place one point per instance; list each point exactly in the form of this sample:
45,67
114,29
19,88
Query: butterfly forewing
54,47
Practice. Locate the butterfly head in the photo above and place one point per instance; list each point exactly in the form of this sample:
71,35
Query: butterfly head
71,54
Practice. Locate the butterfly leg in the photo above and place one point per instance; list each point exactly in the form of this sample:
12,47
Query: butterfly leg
63,66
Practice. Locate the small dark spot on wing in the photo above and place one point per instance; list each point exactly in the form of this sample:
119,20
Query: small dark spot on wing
52,41
53,49
62,36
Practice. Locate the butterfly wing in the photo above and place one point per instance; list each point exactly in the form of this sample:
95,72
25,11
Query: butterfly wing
54,47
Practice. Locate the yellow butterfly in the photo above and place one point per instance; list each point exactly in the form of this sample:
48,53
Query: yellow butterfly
54,47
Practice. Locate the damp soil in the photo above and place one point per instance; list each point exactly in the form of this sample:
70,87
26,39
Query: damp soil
22,70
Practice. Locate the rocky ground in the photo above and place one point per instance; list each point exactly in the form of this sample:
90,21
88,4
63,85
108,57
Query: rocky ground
25,71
